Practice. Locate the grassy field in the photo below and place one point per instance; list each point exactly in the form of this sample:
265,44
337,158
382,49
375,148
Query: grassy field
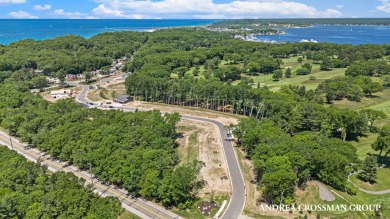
381,101
266,79
384,106
363,145
382,183
310,197
128,215
363,198
321,76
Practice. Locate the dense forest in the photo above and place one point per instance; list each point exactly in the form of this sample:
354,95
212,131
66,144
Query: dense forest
29,190
68,55
295,134
153,67
133,150
282,161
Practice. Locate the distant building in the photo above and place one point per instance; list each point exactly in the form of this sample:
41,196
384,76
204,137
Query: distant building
38,72
112,70
99,72
71,77
52,80
119,65
124,99
61,93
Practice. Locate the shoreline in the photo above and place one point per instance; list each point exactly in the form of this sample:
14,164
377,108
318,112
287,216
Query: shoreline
45,29
254,37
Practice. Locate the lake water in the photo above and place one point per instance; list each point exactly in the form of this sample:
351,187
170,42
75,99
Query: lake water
12,30
334,34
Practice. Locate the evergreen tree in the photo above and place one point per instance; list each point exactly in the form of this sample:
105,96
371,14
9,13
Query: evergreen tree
277,75
369,170
288,73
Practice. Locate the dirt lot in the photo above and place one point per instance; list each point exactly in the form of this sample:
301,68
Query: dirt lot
109,91
116,86
225,118
199,141
46,95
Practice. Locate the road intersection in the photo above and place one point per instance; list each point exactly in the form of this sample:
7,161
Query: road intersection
238,196
138,206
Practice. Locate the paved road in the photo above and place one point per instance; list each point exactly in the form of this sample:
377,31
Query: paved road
138,207
383,192
238,196
325,194
237,199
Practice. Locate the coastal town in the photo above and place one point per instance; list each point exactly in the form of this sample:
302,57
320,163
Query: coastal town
211,109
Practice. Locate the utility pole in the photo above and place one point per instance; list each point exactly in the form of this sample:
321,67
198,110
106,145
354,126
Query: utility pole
90,171
10,140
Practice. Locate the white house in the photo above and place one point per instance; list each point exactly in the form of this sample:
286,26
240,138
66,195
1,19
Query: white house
61,93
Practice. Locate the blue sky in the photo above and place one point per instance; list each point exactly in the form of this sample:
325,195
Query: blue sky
213,9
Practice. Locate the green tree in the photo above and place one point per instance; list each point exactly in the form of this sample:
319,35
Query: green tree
288,72
277,75
253,67
373,116
369,170
308,66
382,143
386,81
369,87
303,71
196,71
278,180
88,76
325,64
235,57
38,82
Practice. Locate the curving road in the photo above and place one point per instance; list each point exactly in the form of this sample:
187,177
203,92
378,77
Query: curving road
367,191
238,196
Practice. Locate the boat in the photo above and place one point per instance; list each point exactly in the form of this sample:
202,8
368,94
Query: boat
309,41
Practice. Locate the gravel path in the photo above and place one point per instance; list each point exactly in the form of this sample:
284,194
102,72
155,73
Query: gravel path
325,194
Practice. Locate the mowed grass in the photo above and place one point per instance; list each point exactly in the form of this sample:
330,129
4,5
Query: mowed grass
128,215
384,106
363,145
382,182
383,200
381,101
310,196
364,198
299,80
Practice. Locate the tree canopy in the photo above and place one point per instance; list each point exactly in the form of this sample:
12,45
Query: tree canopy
29,190
136,151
